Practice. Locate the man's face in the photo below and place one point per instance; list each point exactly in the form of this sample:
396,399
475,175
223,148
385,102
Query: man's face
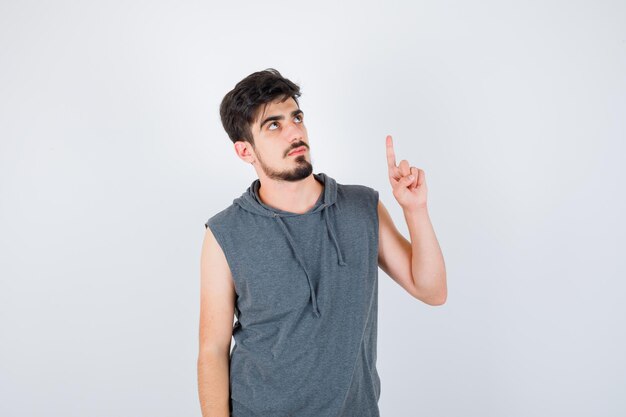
279,130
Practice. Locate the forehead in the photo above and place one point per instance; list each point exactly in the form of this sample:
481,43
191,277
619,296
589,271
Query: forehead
275,108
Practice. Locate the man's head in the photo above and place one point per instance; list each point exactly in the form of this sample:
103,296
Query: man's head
262,117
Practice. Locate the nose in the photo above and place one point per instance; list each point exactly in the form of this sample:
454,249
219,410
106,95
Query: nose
294,131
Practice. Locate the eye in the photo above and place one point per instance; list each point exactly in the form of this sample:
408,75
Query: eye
298,119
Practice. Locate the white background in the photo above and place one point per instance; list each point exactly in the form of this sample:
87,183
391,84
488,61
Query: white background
112,157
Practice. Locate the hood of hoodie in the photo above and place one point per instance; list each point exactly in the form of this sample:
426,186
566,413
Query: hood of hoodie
251,202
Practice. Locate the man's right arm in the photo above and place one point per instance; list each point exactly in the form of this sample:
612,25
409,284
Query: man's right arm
217,308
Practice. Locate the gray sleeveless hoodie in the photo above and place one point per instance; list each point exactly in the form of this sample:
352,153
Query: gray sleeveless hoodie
307,303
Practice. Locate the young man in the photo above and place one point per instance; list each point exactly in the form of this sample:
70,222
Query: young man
295,258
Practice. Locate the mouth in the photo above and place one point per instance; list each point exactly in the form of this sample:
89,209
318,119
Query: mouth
298,151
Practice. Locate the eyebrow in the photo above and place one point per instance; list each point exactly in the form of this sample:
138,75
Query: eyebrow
272,118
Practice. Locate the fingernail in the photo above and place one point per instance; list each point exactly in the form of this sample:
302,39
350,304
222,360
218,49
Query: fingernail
411,177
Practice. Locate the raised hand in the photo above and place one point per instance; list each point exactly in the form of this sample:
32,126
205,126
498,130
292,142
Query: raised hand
410,192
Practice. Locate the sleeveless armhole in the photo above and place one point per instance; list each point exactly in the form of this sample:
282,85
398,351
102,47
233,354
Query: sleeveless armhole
376,197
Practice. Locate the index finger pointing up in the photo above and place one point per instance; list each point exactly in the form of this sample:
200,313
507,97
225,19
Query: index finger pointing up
391,155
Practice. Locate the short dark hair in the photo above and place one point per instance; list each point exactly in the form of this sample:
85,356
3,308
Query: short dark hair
240,106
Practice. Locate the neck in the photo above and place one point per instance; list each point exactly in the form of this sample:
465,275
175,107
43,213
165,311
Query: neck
291,196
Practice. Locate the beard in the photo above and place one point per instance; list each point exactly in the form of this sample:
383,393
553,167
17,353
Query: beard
302,170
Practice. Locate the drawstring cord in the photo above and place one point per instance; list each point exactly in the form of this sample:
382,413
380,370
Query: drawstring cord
333,237
316,309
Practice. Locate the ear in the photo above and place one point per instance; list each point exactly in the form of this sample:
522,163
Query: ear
245,151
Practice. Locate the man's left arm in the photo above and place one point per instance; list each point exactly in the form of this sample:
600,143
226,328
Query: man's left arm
418,266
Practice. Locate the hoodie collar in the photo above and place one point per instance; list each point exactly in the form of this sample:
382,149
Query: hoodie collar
251,202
